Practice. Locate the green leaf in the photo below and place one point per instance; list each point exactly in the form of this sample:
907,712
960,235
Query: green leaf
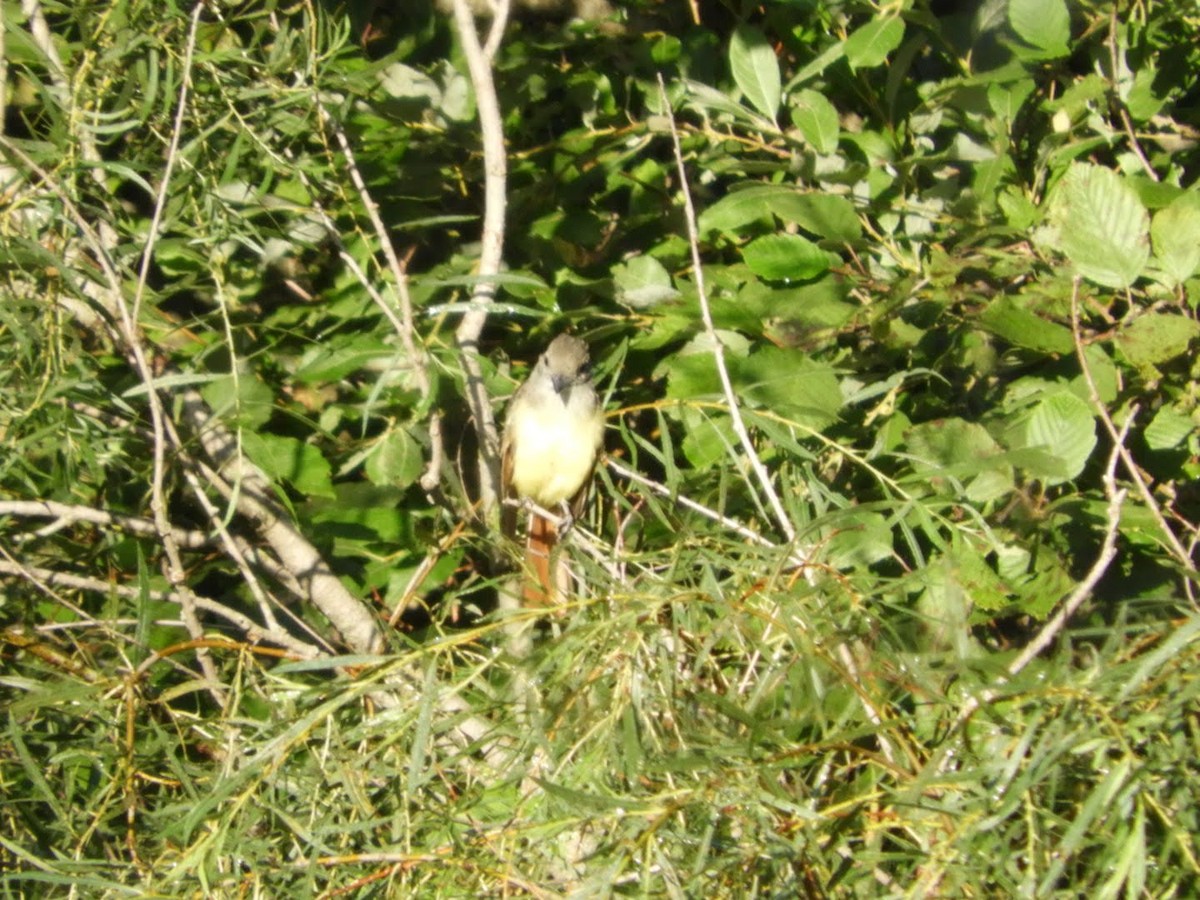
1043,24
785,257
1059,425
949,450
1006,318
643,282
1100,224
241,402
1175,232
291,460
790,384
870,45
826,215
755,69
1156,338
709,437
396,460
738,209
337,358
817,120
364,512
1168,429
859,539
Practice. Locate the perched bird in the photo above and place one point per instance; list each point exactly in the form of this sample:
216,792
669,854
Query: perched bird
552,436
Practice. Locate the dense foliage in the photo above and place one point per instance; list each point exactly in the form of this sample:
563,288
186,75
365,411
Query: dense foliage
906,608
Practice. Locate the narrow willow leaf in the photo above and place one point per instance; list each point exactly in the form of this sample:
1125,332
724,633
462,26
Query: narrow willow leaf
756,70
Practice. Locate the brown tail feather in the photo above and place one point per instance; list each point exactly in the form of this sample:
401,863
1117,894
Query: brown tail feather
539,585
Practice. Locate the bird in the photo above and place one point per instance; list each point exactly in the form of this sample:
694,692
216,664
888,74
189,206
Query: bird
553,433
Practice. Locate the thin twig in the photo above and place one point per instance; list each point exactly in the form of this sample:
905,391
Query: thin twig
50,578
1119,102
130,316
67,514
718,349
1055,624
1131,467
733,525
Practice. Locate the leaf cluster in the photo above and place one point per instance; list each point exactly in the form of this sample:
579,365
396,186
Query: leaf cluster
952,260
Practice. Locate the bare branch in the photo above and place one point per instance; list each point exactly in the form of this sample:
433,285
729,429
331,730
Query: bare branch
49,578
491,256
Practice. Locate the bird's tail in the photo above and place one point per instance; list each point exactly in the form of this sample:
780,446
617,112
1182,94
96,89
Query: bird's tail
539,550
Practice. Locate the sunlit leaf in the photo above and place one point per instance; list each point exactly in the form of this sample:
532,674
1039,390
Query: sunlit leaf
755,69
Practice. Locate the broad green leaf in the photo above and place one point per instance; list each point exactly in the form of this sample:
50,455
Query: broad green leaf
364,512
708,437
954,450
1043,24
1168,429
1006,318
1100,224
755,69
790,384
858,539
405,82
643,282
1059,425
785,257
1175,232
826,215
339,357
396,460
291,460
738,209
242,402
817,120
870,45
1156,337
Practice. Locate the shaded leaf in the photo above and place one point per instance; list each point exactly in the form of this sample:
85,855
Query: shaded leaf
1044,24
643,282
1156,338
287,458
